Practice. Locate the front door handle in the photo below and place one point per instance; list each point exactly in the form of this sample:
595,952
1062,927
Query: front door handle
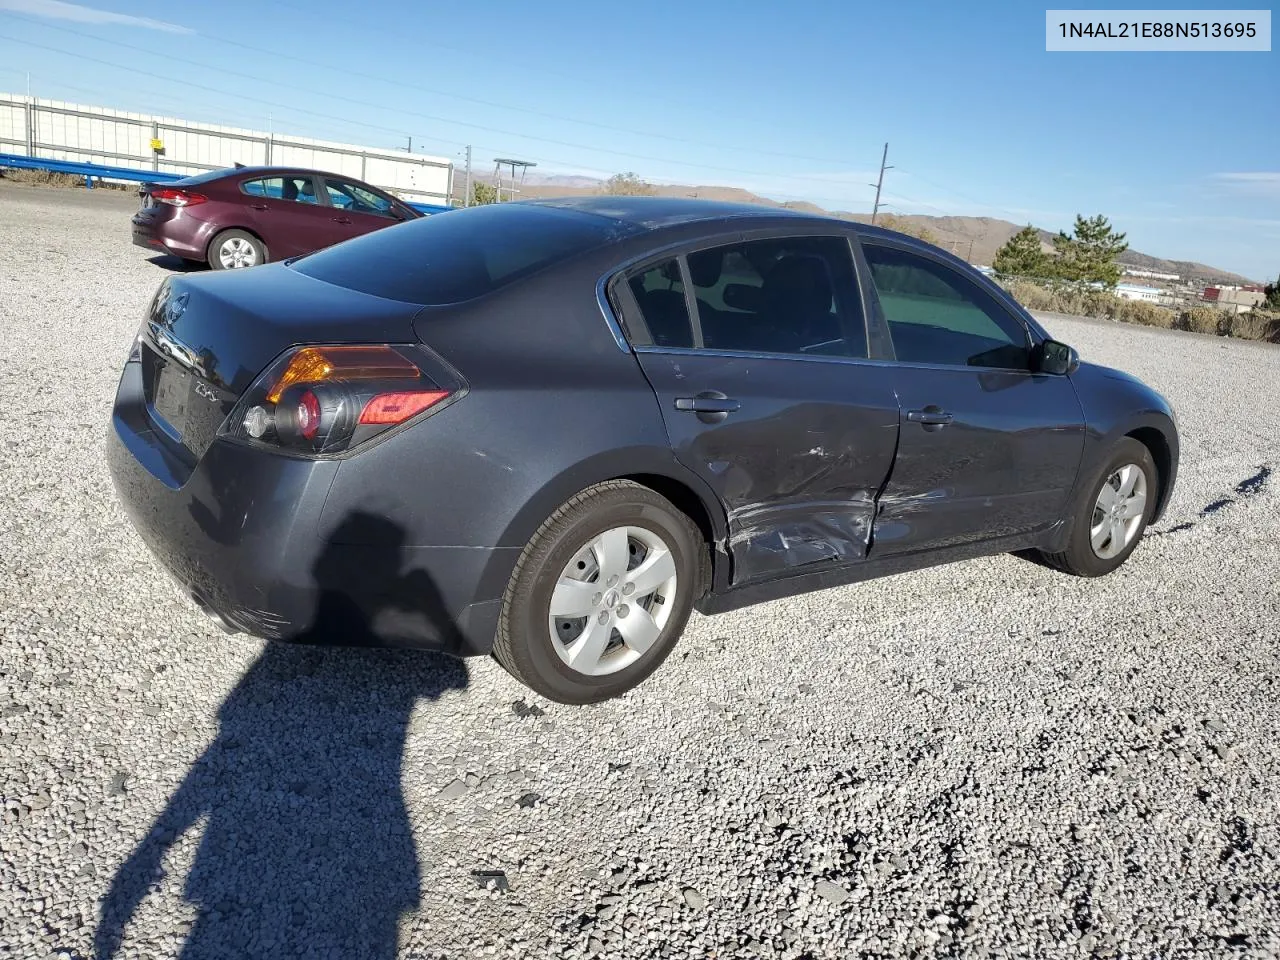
931,417
711,406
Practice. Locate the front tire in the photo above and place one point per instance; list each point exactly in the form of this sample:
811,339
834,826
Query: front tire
1111,514
235,250
601,594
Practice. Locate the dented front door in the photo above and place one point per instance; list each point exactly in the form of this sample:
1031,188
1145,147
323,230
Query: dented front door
796,449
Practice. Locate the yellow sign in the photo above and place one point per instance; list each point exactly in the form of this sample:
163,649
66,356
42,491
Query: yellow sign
157,145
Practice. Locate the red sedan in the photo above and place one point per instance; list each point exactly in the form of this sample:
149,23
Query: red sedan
250,215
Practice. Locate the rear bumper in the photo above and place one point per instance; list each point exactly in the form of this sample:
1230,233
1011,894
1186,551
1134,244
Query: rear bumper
181,237
237,530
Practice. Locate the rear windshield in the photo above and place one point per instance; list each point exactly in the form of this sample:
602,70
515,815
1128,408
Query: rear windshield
462,254
204,177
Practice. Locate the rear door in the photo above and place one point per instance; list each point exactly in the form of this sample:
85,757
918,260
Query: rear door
289,214
753,348
358,209
987,448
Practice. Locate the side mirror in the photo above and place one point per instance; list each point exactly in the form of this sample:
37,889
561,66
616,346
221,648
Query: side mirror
1054,357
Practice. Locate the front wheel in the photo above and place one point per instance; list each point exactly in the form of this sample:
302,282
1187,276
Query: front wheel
601,594
1112,514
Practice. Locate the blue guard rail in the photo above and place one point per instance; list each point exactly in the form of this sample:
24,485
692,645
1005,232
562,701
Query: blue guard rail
98,171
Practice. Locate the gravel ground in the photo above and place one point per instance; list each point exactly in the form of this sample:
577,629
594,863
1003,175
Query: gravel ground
984,759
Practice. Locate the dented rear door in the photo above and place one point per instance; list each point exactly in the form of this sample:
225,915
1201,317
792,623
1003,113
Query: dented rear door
799,460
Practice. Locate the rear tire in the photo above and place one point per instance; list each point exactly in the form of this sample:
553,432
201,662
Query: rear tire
623,567
1105,520
235,250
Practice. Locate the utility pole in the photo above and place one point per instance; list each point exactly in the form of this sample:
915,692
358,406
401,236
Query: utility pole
466,199
879,183
969,256
410,147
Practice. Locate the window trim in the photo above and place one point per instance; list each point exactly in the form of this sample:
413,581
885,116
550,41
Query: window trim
1034,335
615,317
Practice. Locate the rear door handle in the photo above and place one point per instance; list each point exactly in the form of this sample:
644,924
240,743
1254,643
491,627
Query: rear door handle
259,206
341,219
711,406
930,416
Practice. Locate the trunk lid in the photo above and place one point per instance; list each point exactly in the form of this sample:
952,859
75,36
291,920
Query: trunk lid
206,339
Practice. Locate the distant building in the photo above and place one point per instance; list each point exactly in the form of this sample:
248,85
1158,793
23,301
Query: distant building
1151,274
1234,299
1131,291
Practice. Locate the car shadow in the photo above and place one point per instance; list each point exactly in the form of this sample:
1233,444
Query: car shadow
176,264
307,848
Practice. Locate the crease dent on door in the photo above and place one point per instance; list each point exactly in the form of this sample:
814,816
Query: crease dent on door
767,539
801,523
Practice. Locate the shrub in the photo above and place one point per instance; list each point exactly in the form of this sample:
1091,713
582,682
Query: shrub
42,178
1255,325
1202,320
1031,296
1146,314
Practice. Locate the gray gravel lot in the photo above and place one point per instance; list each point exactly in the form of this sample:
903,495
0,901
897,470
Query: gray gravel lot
987,759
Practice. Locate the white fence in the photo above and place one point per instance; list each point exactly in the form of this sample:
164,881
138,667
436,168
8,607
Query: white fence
68,131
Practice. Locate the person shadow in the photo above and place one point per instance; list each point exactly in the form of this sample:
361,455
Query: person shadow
307,849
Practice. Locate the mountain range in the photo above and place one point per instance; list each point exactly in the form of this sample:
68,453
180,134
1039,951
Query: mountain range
975,239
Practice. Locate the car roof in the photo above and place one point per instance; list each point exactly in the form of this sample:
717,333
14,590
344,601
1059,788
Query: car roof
263,171
652,213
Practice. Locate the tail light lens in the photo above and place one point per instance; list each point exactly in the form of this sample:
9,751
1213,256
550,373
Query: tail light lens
177,198
329,399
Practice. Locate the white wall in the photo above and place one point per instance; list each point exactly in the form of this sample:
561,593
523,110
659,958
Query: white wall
90,134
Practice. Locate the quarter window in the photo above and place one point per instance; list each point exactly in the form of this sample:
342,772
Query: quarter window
937,315
658,293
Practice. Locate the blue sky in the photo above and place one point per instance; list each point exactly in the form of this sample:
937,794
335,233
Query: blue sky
792,100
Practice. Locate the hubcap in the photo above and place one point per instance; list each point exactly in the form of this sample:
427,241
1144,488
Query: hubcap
1122,503
237,252
612,600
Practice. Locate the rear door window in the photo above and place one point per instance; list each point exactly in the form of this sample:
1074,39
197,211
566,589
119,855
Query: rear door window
300,189
790,295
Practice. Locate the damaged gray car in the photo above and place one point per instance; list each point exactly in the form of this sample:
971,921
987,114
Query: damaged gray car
548,430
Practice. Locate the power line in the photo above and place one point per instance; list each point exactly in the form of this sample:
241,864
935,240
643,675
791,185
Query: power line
366,104
276,54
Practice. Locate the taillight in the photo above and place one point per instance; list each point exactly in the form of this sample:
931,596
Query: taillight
329,399
177,198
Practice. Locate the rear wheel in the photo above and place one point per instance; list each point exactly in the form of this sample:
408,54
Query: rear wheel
601,594
1112,514
235,249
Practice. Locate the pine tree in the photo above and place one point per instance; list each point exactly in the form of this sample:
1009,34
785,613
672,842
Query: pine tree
1272,291
1089,255
1021,256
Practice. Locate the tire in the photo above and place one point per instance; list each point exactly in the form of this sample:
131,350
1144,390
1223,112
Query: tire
580,542
1081,558
236,249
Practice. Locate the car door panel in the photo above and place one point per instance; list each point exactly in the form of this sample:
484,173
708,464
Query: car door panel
987,448
798,464
1004,463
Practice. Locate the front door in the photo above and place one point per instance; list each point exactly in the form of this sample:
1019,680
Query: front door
987,448
358,210
752,350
